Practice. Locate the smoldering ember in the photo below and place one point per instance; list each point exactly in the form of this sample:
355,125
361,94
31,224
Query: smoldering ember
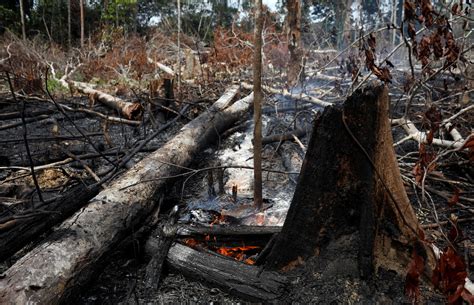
234,152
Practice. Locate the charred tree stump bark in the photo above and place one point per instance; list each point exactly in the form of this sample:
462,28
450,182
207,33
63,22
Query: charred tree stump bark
350,185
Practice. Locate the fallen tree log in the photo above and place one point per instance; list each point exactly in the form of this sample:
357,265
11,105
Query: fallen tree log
131,111
49,273
240,279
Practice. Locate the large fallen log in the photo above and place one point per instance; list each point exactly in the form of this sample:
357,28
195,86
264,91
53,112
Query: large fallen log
68,257
242,280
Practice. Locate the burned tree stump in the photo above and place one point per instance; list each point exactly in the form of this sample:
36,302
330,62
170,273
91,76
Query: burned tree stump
350,188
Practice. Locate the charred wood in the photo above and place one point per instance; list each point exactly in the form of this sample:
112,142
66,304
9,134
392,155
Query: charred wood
237,278
185,230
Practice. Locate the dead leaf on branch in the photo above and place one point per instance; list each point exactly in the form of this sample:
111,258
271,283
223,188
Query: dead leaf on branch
455,198
372,42
409,9
469,144
436,44
434,118
449,275
412,280
424,50
427,12
382,73
452,50
424,164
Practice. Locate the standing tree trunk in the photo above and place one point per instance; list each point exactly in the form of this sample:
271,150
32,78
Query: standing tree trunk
81,4
294,41
257,106
344,24
178,54
22,20
350,188
69,24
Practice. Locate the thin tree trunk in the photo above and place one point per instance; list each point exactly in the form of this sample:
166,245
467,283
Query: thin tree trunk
394,20
82,22
69,24
257,116
22,19
294,41
179,50
346,29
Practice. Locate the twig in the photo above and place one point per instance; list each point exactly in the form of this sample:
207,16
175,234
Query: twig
24,121
193,172
443,223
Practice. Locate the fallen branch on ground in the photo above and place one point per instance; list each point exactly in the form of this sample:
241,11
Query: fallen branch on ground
131,111
421,137
297,96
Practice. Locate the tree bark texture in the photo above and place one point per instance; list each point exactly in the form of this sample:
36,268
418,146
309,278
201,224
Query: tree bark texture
243,280
69,34
350,185
22,19
257,108
295,66
50,272
131,111
81,4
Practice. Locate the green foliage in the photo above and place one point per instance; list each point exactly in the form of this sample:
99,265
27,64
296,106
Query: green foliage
55,87
9,19
121,13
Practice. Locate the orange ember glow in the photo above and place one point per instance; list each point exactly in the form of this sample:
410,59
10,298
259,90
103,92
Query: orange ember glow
238,253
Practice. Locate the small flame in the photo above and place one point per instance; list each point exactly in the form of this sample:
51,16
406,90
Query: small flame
238,253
